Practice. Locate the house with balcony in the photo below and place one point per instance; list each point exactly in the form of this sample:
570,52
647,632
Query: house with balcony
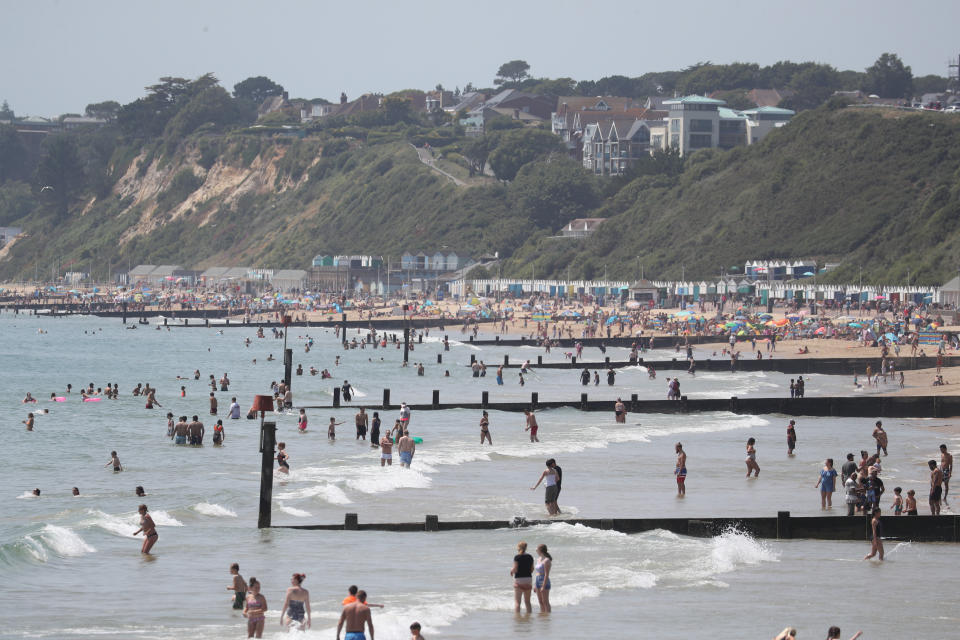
581,227
611,147
763,120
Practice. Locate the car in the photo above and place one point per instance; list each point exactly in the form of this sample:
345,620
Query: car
952,109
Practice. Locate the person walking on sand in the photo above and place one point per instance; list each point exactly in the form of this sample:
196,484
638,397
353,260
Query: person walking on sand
827,483
485,429
752,458
254,610
532,425
148,528
681,470
296,604
355,615
876,540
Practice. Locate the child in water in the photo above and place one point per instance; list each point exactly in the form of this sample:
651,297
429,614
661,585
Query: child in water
897,505
302,424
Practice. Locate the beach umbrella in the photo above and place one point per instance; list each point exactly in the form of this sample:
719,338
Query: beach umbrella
781,322
821,331
765,316
855,325
890,336
682,314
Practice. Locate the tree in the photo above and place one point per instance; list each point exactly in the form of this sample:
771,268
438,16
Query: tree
476,152
106,110
6,113
513,71
518,147
921,85
13,155
60,169
889,78
555,191
812,86
257,89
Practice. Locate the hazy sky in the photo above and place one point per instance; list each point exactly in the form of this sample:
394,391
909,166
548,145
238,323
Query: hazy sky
61,55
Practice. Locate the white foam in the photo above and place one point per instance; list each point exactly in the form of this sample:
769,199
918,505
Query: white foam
298,513
161,518
734,548
113,524
65,542
327,492
381,480
214,510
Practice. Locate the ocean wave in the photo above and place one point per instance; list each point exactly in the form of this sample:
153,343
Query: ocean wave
38,547
330,493
292,511
215,510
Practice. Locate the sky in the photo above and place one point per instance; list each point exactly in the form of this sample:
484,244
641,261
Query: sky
60,55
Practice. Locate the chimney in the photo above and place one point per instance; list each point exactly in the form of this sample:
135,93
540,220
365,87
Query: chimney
343,98
286,96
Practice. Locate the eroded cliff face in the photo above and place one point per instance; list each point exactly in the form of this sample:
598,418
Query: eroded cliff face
223,183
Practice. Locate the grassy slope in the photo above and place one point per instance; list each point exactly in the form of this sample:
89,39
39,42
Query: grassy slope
856,187
860,188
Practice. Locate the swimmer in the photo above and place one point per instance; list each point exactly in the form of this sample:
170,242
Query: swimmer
752,458
139,491
76,492
28,421
28,398
148,528
681,470
302,423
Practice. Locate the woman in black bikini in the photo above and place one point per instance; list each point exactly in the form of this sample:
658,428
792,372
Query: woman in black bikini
148,528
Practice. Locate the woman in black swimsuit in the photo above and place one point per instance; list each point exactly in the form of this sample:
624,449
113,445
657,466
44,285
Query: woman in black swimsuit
282,456
148,528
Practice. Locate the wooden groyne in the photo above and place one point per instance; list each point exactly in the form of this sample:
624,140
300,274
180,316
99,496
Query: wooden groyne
943,528
871,406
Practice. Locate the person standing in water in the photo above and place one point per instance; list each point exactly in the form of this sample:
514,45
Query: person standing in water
752,458
296,603
219,435
946,468
234,409
375,430
28,421
826,483
283,464
522,573
876,541
542,583
354,616
254,610
332,429
485,429
148,528
620,411
549,478
681,470
532,426
238,585
791,437
115,461
361,420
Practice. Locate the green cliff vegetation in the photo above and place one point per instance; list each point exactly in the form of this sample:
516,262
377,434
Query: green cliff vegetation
182,176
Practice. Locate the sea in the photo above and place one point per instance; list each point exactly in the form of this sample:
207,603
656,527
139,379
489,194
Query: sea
72,568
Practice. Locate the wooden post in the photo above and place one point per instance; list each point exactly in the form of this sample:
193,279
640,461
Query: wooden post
485,399
583,401
343,332
350,522
432,523
783,525
406,344
386,398
436,398
439,358
287,366
539,360
506,360
534,399
336,396
268,434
